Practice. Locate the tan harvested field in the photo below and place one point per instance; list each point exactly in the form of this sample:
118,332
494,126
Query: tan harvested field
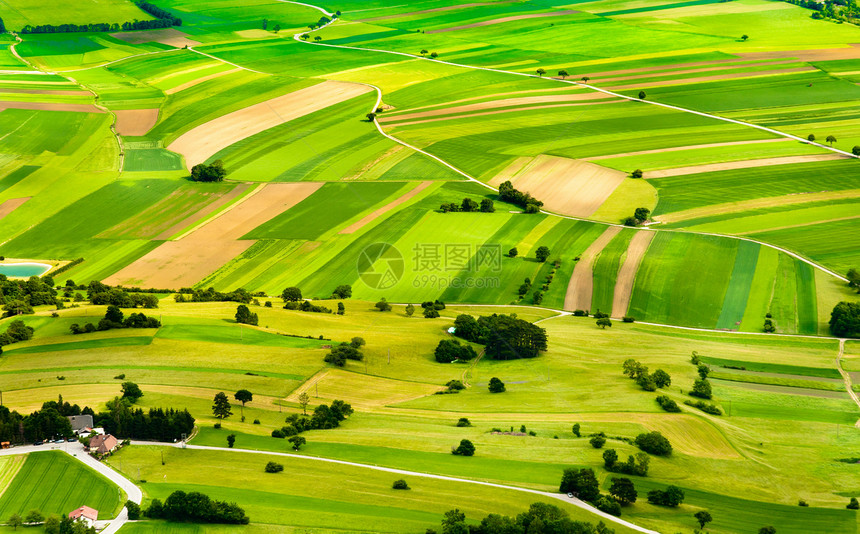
168,36
505,19
57,92
746,164
202,213
723,63
823,54
493,104
567,186
50,106
135,121
758,203
581,285
688,147
507,110
716,77
367,392
183,72
627,272
202,142
385,209
192,83
436,10
11,205
619,78
185,262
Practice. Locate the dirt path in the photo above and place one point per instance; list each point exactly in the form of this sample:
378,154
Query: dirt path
682,148
849,386
503,20
627,273
581,285
385,209
744,164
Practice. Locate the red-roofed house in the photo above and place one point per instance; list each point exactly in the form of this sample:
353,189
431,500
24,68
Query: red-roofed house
103,443
87,515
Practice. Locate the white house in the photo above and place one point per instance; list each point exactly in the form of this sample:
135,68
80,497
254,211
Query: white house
86,515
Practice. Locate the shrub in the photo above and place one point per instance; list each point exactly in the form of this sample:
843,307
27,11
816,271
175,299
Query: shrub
256,421
705,407
701,389
653,443
597,441
853,504
575,429
672,496
449,350
668,404
628,319
496,385
609,506
580,313
581,482
278,433
466,448
400,485
273,467
803,503
133,510
464,421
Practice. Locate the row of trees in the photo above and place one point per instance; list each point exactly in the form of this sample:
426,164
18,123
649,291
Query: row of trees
469,205
103,294
508,193
197,508
52,524
210,295
339,354
15,332
213,172
163,19
505,336
114,319
640,216
324,417
294,294
540,518
647,381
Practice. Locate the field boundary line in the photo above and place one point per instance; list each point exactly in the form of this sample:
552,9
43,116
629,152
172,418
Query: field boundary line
227,62
571,500
221,213
12,474
846,377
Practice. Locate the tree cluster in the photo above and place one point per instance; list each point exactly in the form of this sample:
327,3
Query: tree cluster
647,381
465,448
240,295
102,294
639,216
845,320
505,336
19,296
540,518
509,194
114,319
449,350
653,443
668,404
196,507
324,417
244,316
672,496
468,205
705,407
155,424
339,354
15,332
583,484
635,465
209,173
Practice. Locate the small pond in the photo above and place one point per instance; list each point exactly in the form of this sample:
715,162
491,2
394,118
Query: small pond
24,270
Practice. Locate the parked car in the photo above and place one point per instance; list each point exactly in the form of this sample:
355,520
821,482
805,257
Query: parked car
71,440
37,443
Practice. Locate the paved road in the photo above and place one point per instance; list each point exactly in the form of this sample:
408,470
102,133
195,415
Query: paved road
559,496
76,450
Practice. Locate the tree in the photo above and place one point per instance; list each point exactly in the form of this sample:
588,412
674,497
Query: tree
297,442
317,38
623,490
342,291
434,55
810,138
273,467
540,72
383,305
243,396
653,443
244,316
610,458
114,314
831,139
357,342
661,378
853,504
410,309
464,422
371,117
400,485
563,74
856,150
341,309
703,517
131,391
292,294
496,385
52,523
542,253
487,206
581,482
744,37
672,496
133,510
575,429
304,400
701,389
767,530
231,439
468,205
603,322
221,407
209,173
637,173
431,313
33,517
449,350
704,370
454,522
642,95
642,214
845,319
305,37
597,441
585,79
513,252
15,521
466,448
424,52
633,369
537,298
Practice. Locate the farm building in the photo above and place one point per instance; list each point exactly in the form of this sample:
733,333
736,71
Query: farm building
86,515
81,423
103,444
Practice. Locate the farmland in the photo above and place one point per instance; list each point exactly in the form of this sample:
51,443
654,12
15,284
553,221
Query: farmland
689,169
